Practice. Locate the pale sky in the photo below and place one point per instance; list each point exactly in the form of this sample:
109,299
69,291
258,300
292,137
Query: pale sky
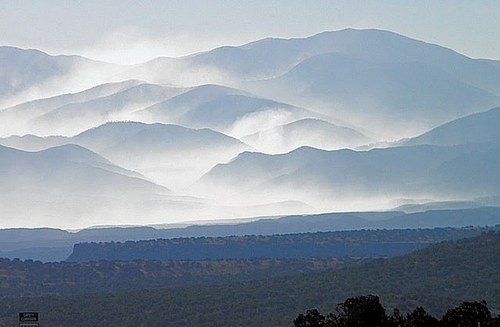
131,31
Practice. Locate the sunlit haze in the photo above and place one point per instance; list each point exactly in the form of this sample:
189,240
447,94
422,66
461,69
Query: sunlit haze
212,110
129,32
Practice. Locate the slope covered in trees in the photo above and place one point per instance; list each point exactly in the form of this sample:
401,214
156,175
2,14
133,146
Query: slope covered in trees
33,278
361,243
437,278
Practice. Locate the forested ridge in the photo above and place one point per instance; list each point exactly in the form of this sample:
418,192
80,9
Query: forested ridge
437,278
31,278
359,243
53,245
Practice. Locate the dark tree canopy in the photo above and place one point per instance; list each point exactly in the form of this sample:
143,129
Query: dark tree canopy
312,318
362,311
366,311
468,314
396,320
420,318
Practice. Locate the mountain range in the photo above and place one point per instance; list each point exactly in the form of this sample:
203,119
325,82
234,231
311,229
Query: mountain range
410,97
380,176
75,117
165,153
339,121
227,110
29,74
314,132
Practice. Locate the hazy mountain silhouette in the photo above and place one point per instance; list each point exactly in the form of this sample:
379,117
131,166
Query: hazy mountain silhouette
27,74
409,96
329,91
168,154
368,178
479,127
66,183
15,119
271,57
311,132
73,118
224,109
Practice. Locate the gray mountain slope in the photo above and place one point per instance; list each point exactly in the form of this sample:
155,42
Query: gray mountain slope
153,137
169,154
475,128
385,46
414,84
132,137
71,186
164,153
41,106
14,120
33,143
76,117
65,169
305,132
23,70
223,109
315,176
271,57
408,96
172,109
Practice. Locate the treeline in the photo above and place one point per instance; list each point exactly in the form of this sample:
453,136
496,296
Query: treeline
360,243
367,311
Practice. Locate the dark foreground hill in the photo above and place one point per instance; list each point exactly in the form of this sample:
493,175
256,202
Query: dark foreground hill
438,277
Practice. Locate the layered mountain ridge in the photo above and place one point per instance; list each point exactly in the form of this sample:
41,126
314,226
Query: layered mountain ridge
344,120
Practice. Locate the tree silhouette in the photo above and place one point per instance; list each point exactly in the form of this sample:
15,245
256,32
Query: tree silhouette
468,314
362,311
420,318
312,318
396,320
366,311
